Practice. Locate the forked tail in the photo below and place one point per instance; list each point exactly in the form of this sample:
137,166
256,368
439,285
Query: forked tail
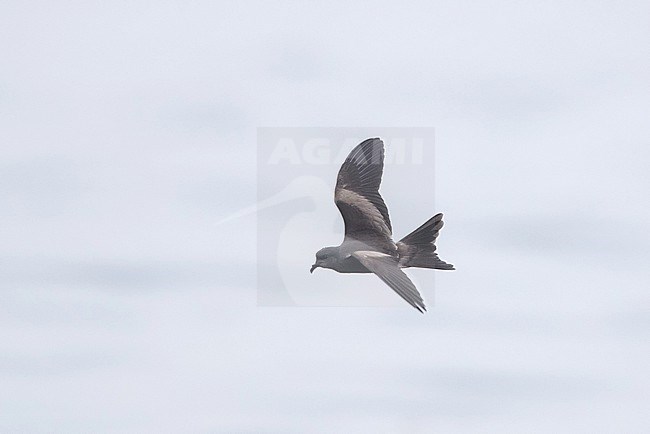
418,249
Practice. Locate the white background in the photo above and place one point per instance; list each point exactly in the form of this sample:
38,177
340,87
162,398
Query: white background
128,129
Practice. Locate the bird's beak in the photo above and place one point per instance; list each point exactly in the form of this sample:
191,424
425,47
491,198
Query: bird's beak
313,267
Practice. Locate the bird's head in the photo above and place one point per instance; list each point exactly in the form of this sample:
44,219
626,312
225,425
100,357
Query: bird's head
325,258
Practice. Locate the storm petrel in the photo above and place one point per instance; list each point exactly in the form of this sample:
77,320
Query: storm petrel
368,246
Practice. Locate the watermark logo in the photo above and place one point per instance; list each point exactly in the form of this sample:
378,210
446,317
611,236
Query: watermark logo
322,151
296,216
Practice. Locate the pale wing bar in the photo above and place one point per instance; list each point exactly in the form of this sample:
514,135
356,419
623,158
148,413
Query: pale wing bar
387,269
357,195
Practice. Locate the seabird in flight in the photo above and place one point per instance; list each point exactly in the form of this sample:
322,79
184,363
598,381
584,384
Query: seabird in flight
368,246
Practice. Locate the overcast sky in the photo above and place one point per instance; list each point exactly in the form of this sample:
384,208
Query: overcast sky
129,129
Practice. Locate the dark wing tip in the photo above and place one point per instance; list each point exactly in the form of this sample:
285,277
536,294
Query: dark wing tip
387,269
370,151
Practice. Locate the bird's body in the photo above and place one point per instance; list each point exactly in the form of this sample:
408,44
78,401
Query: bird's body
350,265
368,246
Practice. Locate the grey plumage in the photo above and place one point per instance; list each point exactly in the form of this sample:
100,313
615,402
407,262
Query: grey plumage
418,249
368,246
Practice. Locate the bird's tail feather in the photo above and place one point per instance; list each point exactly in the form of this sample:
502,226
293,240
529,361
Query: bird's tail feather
418,249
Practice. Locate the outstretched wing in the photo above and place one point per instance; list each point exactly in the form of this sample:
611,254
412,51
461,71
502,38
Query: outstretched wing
357,194
387,268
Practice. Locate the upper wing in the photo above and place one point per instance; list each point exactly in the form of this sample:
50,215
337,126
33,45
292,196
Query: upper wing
387,268
357,193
